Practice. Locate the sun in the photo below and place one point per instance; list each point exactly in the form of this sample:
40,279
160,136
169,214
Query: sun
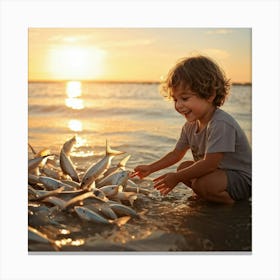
75,62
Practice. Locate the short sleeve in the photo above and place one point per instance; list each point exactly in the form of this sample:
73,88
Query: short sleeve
221,137
182,142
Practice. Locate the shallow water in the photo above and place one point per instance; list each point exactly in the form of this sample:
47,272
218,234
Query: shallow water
136,119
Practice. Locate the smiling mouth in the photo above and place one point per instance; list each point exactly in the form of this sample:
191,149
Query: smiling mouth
186,113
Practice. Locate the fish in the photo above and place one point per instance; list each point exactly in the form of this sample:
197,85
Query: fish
123,210
68,145
55,201
41,194
36,235
33,179
127,196
67,166
133,187
110,190
97,169
120,166
80,198
118,178
90,215
71,183
51,183
35,162
56,174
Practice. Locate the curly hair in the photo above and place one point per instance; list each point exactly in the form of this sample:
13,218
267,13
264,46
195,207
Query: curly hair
201,75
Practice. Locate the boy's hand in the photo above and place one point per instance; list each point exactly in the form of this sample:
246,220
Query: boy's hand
141,171
166,183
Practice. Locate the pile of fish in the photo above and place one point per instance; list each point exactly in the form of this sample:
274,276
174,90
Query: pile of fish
102,194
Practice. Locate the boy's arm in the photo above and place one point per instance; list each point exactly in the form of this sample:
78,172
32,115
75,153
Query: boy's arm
168,160
167,182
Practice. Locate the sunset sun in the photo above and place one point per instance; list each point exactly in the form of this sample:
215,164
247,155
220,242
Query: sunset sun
74,62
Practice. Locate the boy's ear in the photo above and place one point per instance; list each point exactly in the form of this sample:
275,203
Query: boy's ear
212,97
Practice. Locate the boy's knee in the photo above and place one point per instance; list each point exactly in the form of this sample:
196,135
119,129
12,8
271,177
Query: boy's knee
184,164
198,188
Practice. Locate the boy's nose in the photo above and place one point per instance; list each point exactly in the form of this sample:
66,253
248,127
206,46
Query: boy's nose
178,106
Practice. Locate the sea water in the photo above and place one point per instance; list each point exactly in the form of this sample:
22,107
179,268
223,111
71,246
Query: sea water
137,119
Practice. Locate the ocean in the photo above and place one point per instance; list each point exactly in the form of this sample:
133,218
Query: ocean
137,119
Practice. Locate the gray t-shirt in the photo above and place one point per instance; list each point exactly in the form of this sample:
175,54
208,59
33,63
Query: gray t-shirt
222,135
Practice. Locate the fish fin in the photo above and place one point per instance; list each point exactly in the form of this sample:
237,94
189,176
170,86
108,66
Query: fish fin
123,162
121,221
33,151
111,152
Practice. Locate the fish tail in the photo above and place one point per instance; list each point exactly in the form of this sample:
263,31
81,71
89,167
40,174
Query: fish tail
110,151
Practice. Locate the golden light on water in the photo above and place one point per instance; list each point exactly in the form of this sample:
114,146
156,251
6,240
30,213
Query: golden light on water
75,125
73,89
73,92
80,141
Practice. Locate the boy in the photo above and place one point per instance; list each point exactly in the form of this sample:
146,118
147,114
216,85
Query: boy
221,170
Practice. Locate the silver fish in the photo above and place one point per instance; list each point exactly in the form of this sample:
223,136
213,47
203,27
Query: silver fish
92,216
33,179
80,198
35,162
137,190
110,190
71,183
118,178
56,174
68,145
120,166
36,235
126,196
123,210
55,201
53,183
67,166
41,194
97,169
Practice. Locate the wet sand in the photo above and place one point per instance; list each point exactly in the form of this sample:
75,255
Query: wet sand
172,223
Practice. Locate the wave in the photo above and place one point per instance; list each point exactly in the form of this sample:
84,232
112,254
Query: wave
58,110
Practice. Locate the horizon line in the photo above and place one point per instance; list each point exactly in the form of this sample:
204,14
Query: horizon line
111,81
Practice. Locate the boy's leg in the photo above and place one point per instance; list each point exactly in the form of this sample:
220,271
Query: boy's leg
183,165
213,187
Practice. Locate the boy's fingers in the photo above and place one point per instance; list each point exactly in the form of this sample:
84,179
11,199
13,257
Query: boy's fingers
158,183
159,178
134,173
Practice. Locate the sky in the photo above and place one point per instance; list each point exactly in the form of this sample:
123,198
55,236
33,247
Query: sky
133,54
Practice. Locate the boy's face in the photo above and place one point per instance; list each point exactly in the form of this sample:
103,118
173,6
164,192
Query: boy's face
191,105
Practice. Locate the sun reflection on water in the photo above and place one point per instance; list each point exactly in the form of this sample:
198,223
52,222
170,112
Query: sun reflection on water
75,125
74,91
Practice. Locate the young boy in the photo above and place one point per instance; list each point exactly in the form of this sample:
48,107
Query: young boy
221,170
